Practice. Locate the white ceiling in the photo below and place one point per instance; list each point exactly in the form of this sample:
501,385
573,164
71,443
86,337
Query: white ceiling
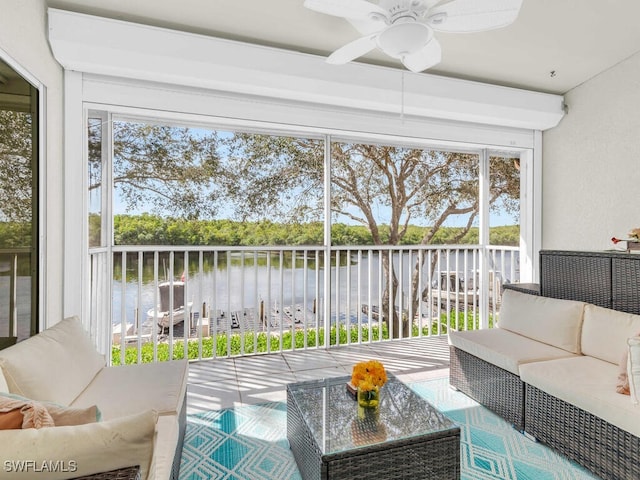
576,39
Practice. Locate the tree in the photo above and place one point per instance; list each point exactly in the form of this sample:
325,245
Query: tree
16,177
257,177
167,169
274,177
413,184
15,166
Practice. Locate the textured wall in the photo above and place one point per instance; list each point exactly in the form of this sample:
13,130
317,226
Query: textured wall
591,163
23,30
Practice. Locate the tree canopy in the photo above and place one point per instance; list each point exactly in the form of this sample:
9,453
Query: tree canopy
159,168
148,229
202,174
15,166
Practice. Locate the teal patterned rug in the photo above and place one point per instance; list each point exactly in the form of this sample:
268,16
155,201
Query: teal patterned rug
250,443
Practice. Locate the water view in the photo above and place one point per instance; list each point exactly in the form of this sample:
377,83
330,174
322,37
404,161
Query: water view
265,284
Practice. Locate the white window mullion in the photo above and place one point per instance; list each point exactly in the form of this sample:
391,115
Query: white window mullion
483,240
327,242
76,270
107,221
528,212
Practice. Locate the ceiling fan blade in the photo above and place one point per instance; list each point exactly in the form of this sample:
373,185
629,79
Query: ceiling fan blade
352,50
467,16
427,57
369,26
441,3
356,9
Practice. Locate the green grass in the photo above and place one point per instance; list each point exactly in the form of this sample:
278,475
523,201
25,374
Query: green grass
251,342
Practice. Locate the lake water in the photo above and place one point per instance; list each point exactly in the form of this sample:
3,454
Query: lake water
243,283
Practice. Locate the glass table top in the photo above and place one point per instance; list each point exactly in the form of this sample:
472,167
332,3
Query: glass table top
338,424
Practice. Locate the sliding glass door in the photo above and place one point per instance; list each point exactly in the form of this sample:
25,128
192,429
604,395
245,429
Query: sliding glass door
18,206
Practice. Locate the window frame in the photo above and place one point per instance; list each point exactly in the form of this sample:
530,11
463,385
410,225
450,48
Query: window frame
37,108
128,99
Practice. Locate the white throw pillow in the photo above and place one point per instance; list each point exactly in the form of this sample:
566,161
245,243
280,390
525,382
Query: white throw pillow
76,451
548,320
633,368
605,332
55,366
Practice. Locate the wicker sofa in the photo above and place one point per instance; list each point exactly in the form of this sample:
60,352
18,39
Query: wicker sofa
551,369
485,364
143,410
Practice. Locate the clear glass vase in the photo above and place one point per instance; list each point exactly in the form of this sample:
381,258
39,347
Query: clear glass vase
369,398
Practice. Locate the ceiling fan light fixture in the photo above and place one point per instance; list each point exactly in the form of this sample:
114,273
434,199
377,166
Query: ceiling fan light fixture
403,39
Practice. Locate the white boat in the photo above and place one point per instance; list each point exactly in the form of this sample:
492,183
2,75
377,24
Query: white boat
116,332
162,315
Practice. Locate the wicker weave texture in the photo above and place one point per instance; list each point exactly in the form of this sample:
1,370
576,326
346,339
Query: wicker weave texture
606,450
581,276
302,443
129,473
529,288
626,284
435,458
500,391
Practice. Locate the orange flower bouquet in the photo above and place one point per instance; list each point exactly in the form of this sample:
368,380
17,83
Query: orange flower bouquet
367,378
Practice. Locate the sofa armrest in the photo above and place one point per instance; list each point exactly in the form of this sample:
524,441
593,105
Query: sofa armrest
59,453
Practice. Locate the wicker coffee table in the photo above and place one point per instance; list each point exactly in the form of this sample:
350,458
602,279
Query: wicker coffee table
332,439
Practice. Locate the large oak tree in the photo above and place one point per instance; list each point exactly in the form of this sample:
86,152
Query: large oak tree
198,174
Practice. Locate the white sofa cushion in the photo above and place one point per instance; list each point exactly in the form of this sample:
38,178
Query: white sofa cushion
55,365
589,384
605,332
131,382
84,449
503,348
633,368
168,433
548,320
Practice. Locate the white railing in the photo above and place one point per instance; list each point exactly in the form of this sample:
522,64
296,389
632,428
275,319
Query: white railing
249,300
16,297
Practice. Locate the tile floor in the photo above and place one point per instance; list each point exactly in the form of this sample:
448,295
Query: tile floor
230,382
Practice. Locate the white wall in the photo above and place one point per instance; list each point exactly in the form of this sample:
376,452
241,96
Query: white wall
591,166
23,29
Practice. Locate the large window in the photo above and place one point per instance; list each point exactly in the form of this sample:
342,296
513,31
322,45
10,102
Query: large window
194,186
18,206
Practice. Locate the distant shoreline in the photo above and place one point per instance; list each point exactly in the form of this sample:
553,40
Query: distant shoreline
148,229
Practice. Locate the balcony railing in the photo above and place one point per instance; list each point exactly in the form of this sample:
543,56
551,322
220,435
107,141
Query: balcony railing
16,299
228,301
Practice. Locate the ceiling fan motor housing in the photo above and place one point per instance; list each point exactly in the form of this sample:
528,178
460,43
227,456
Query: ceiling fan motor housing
404,38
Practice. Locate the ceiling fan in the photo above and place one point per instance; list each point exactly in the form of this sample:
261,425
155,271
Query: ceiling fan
404,29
